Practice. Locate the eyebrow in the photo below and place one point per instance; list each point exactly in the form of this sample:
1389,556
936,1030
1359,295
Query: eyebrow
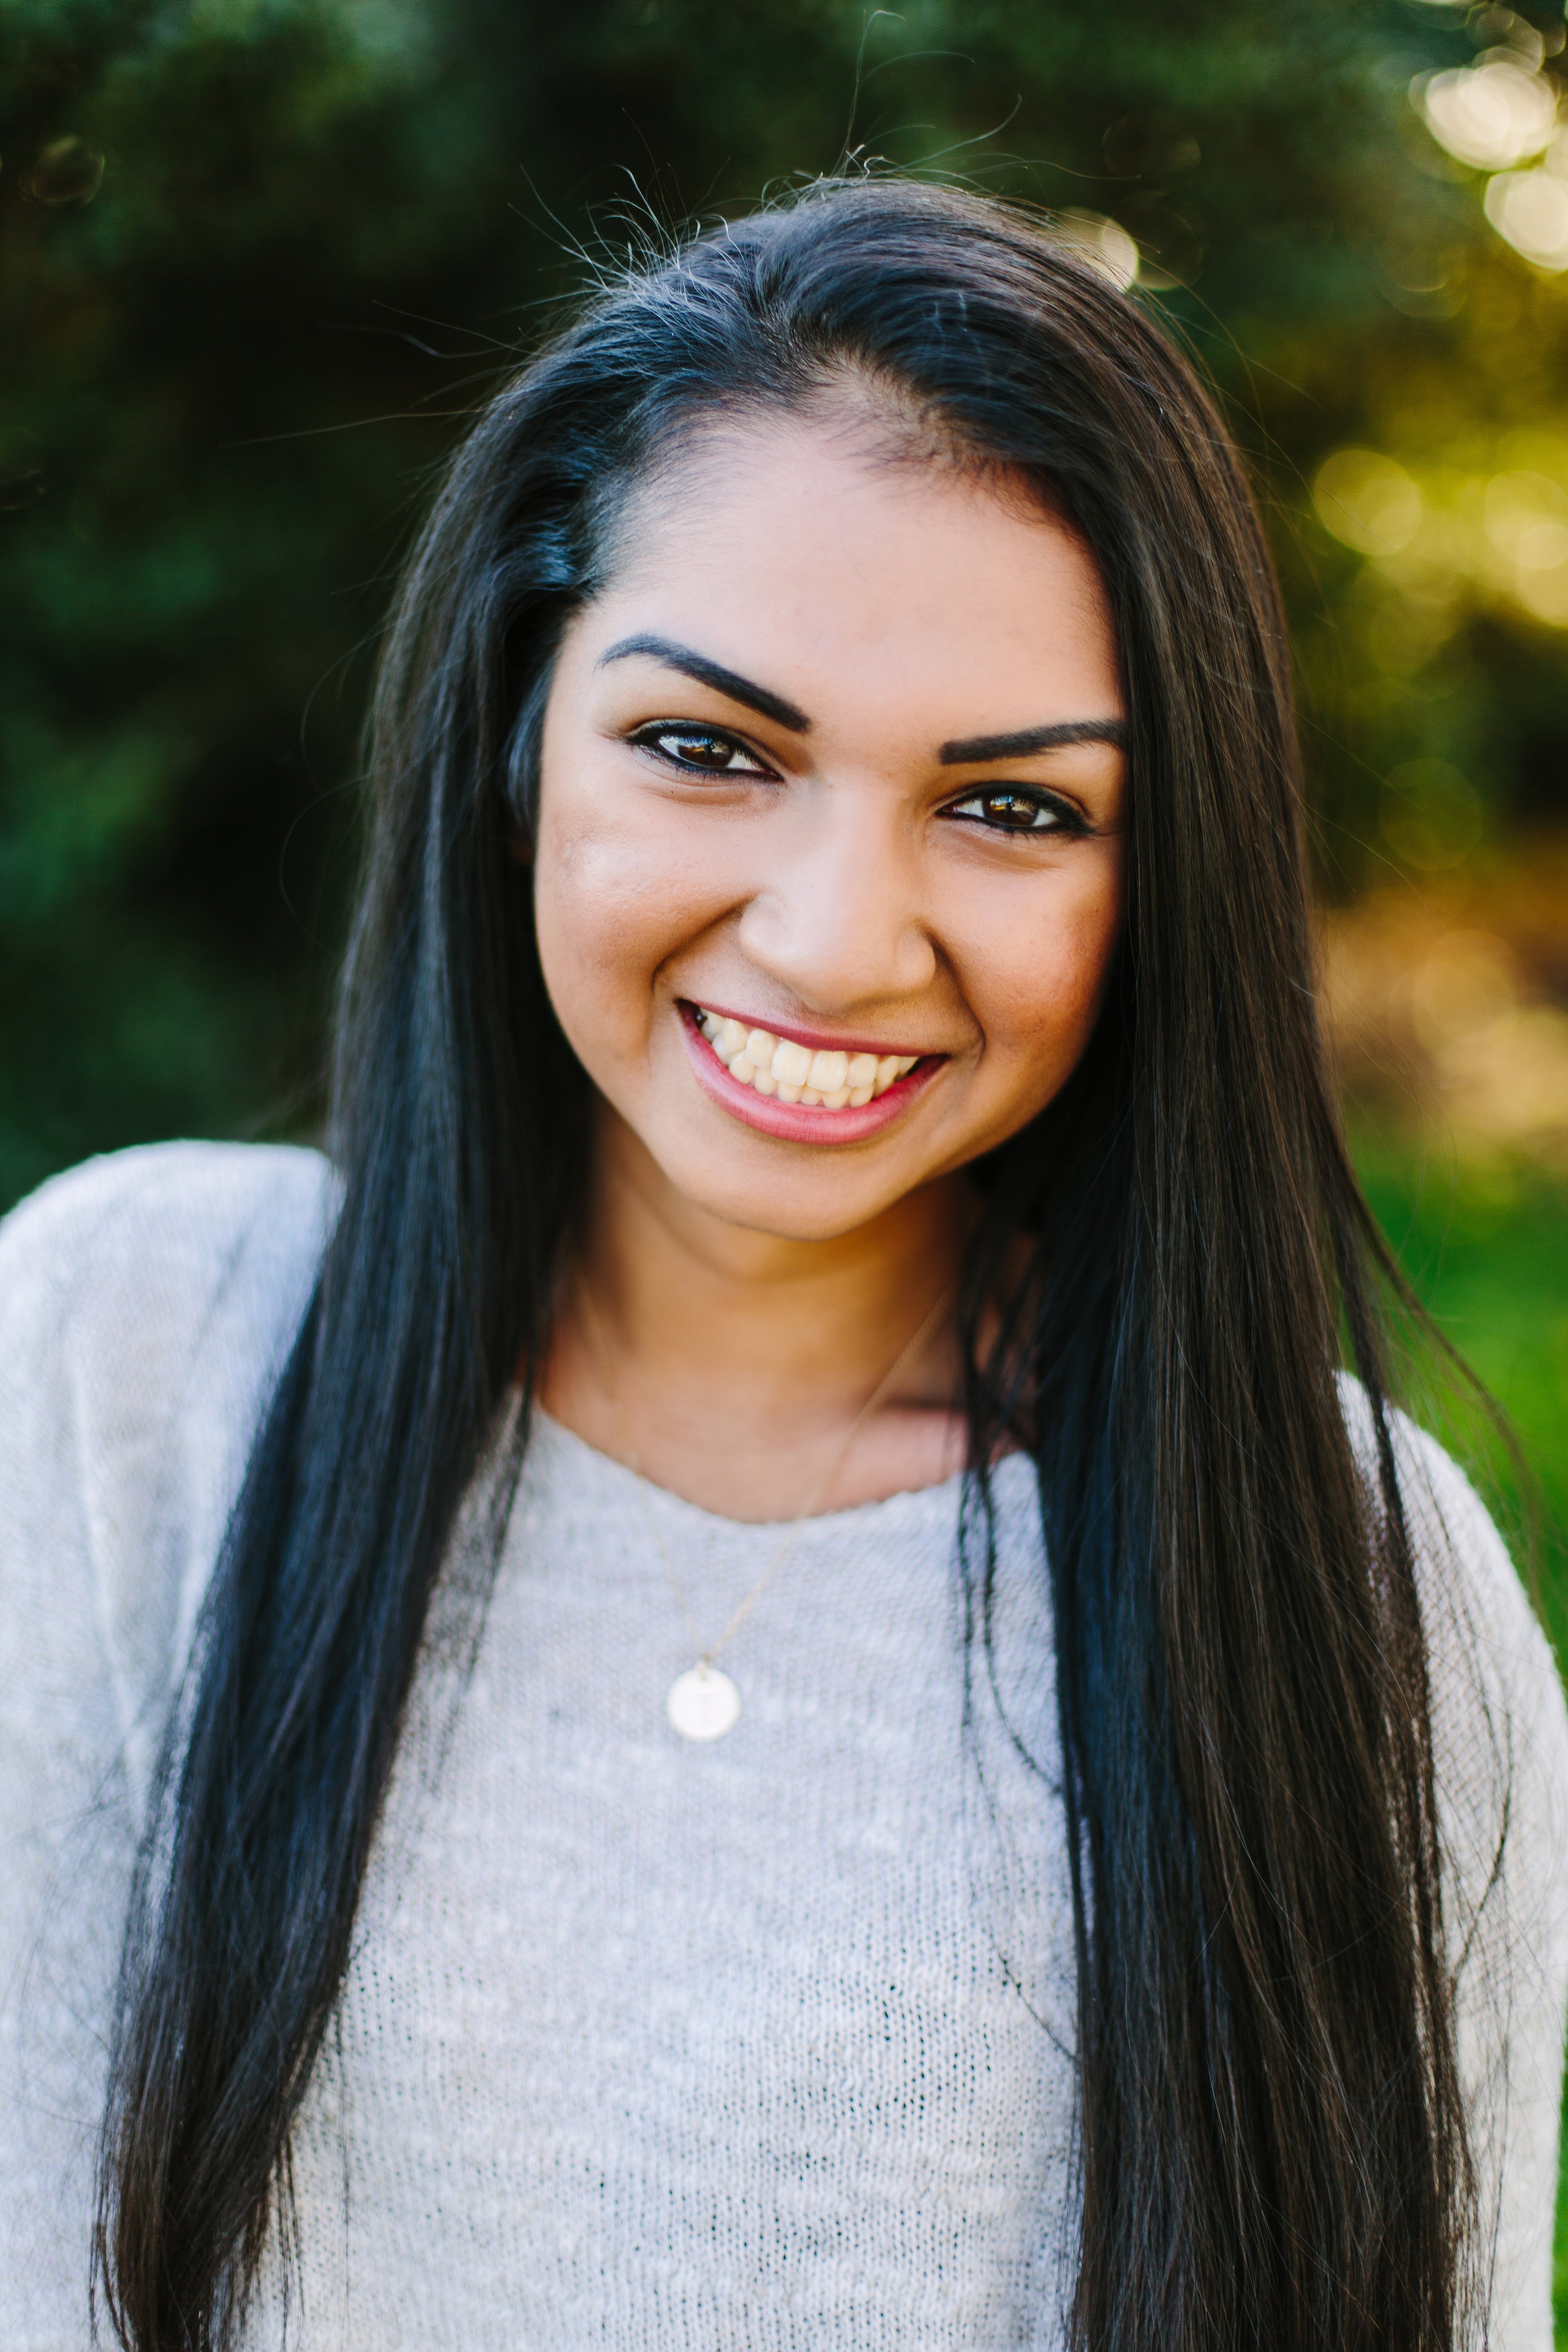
966,751
975,749
712,672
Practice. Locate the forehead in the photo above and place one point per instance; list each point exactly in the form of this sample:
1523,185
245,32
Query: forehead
807,554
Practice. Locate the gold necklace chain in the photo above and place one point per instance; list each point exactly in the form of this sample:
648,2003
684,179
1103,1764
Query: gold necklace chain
704,1704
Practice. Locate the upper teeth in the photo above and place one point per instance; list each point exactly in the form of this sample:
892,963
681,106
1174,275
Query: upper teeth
777,1066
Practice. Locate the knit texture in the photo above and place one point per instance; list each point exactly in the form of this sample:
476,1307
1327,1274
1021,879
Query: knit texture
643,2044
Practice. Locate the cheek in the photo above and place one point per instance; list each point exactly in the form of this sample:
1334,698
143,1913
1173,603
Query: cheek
1035,982
597,922
610,906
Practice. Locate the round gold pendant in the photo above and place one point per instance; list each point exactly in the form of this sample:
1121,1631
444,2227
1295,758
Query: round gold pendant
703,1704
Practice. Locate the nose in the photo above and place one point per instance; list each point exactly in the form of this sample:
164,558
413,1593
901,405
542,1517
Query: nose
838,918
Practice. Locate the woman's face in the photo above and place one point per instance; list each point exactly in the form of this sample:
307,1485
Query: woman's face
833,767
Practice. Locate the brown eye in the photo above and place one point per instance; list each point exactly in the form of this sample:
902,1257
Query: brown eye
699,747
1010,811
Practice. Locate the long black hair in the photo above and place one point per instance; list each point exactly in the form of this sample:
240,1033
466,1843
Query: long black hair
1272,2146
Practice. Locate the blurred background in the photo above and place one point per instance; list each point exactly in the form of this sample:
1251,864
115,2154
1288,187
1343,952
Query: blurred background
261,259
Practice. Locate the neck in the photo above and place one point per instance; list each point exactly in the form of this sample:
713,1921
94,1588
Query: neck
728,1363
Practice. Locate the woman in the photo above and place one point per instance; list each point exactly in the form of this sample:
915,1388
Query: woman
820,1720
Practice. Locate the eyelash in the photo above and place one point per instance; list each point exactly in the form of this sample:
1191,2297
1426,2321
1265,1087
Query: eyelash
1065,819
654,739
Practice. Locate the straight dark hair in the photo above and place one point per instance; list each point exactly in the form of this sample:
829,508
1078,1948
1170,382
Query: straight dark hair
1272,2149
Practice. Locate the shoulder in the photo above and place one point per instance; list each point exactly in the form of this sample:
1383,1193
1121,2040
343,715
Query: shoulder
161,1219
116,1271
117,1278
152,1282
1499,1724
1479,1621
148,1300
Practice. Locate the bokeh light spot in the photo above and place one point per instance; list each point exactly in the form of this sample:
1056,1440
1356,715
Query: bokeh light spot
1530,210
1367,501
1544,594
1490,114
1527,520
1104,242
68,171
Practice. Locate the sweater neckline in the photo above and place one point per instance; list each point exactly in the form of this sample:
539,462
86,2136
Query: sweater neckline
935,1502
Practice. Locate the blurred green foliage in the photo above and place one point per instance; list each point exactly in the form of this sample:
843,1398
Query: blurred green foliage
261,258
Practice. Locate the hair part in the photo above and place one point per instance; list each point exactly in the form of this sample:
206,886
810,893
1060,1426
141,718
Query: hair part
1272,2148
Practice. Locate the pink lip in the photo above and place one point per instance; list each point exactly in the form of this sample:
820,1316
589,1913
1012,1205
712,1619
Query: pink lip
801,1122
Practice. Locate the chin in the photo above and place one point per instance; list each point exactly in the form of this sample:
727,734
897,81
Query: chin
794,1205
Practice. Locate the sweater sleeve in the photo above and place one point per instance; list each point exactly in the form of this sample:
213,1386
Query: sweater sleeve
146,1302
1501,1745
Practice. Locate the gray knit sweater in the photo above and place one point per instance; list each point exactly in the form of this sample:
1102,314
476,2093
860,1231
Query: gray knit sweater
763,2044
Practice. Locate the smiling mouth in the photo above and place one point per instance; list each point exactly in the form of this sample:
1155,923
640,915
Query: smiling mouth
793,1073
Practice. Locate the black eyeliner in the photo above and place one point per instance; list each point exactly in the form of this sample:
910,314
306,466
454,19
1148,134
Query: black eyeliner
1071,820
645,738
